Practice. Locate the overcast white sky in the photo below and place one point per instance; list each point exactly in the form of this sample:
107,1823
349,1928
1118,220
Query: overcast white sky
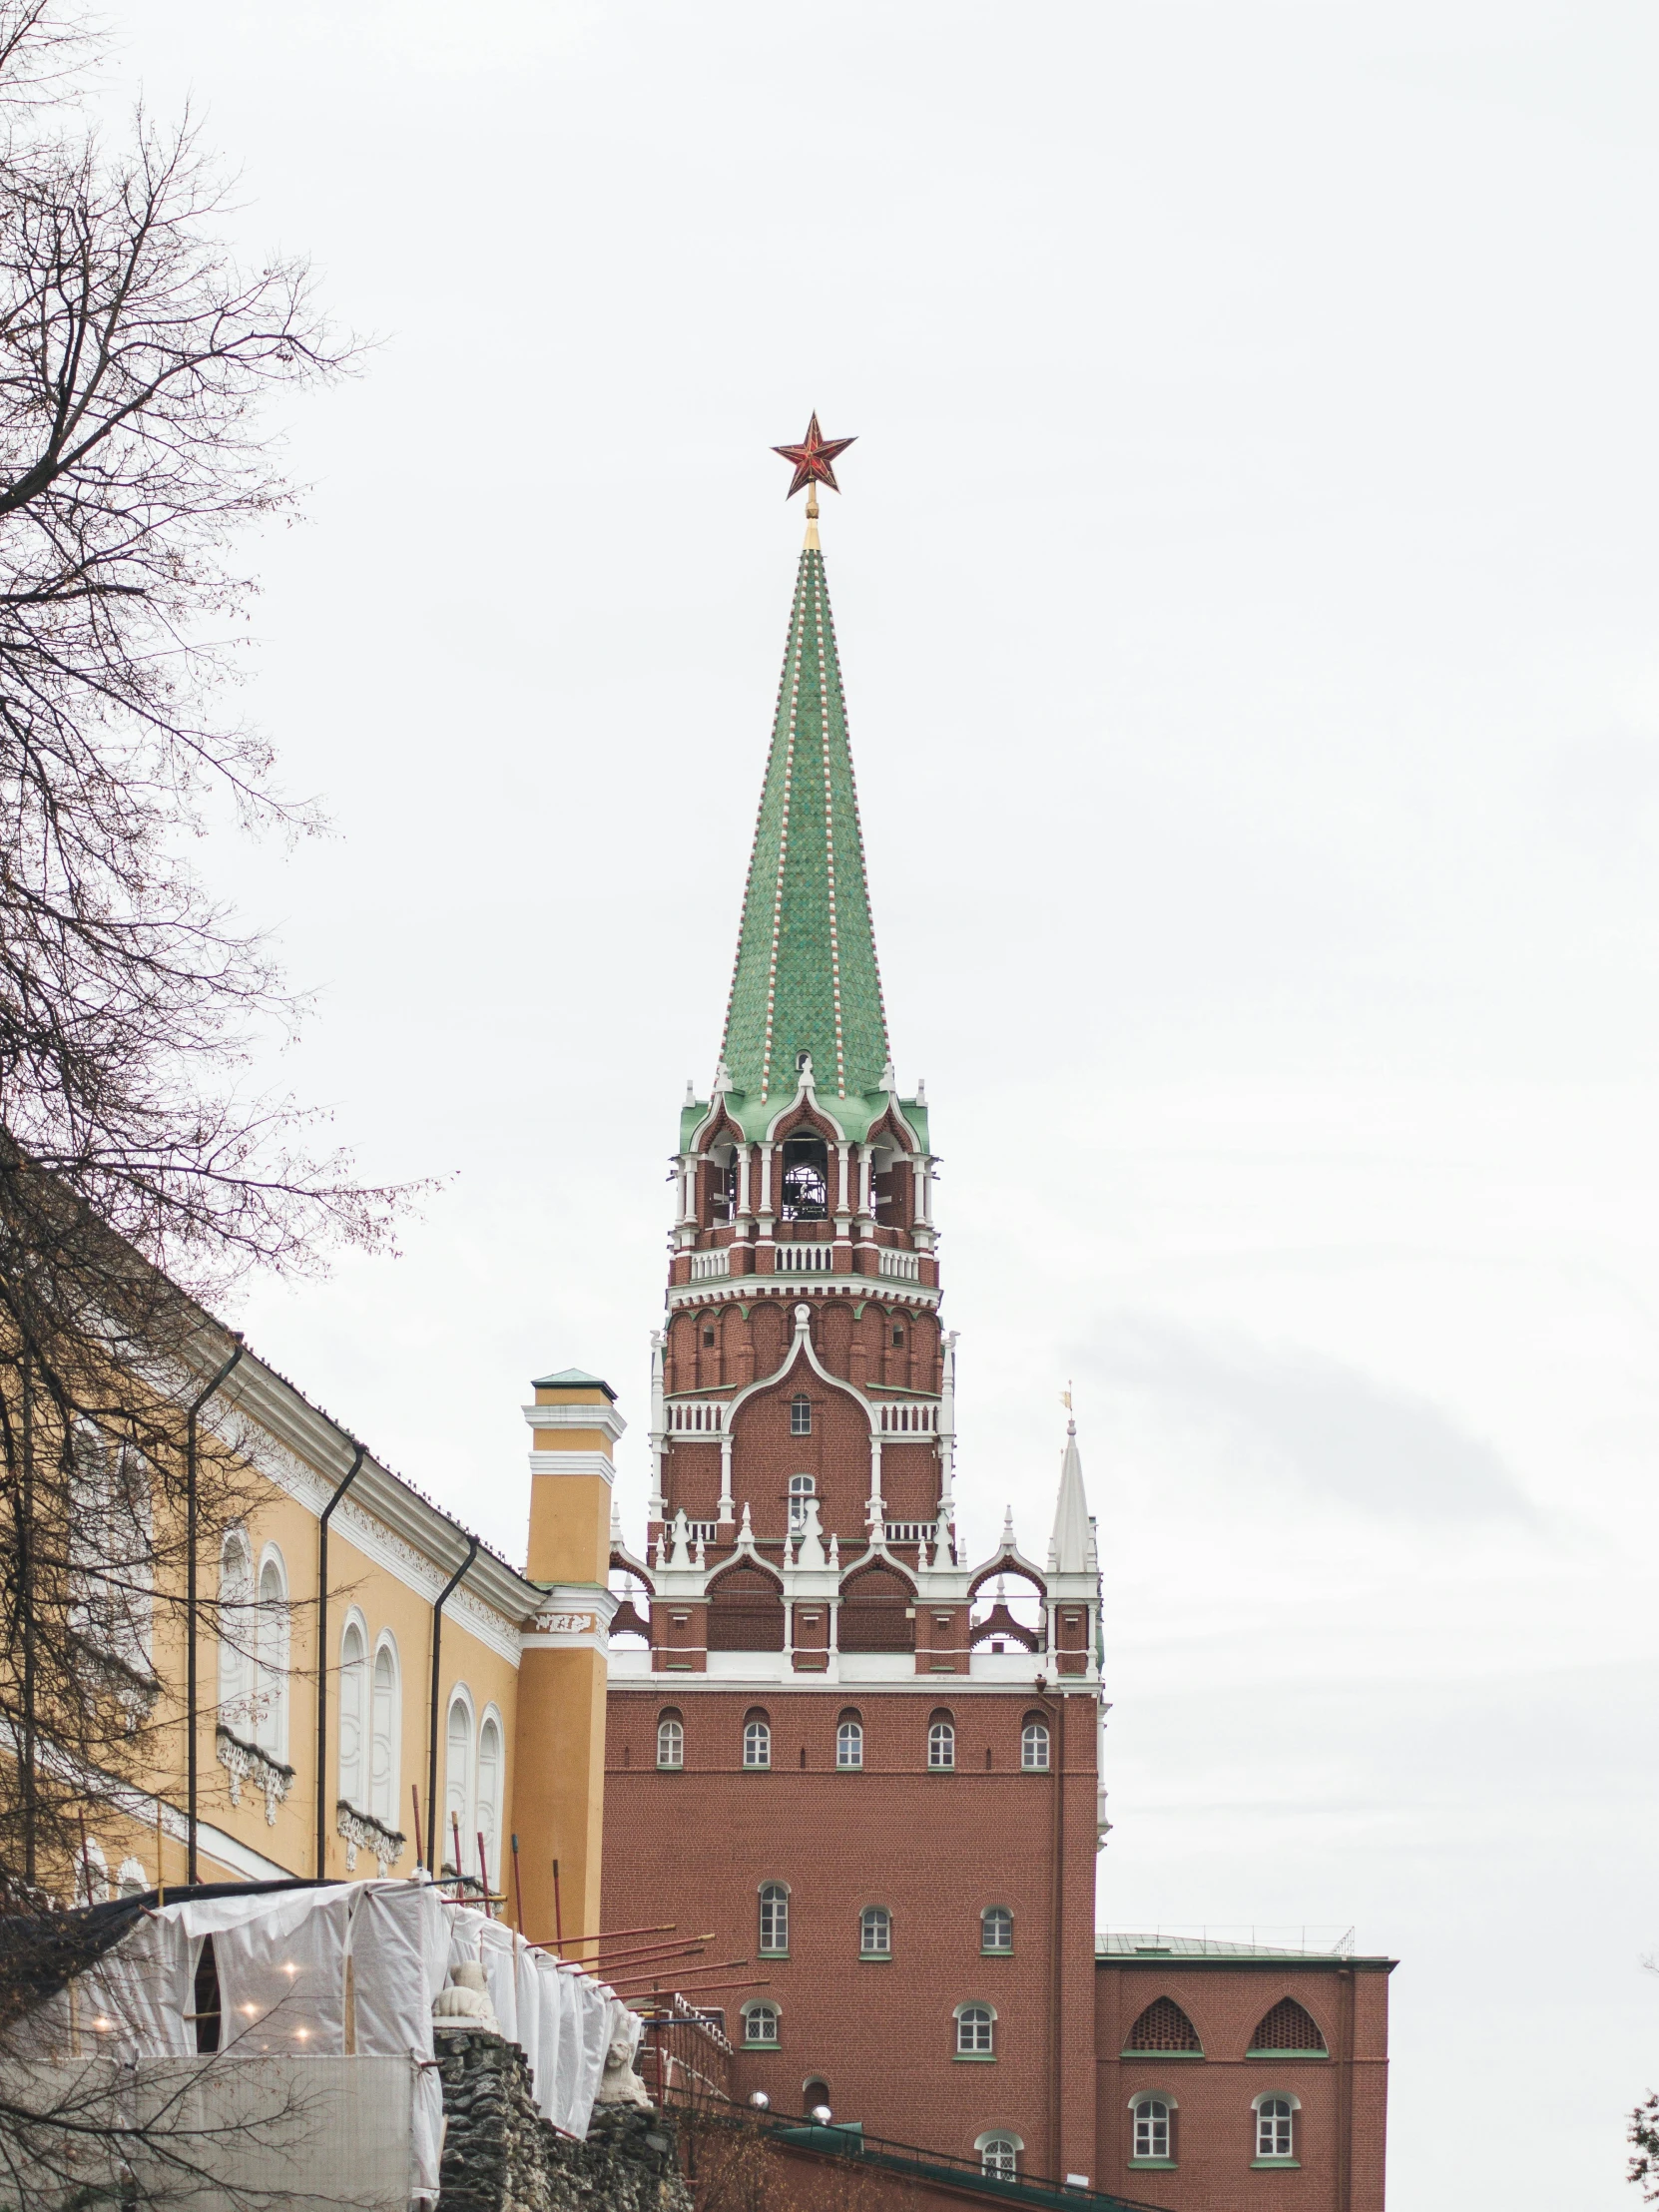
1245,580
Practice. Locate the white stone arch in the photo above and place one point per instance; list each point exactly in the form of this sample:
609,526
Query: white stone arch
354,1709
460,1738
385,1711
270,1654
771,2007
491,1793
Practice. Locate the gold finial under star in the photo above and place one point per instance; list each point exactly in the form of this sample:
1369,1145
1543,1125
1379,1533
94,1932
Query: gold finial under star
813,461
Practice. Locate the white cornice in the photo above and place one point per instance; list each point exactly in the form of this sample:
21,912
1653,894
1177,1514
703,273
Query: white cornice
742,1290
605,1418
572,1462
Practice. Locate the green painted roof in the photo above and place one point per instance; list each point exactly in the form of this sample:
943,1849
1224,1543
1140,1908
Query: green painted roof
572,1379
806,978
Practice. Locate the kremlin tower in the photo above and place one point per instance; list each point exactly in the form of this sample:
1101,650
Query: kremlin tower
865,1761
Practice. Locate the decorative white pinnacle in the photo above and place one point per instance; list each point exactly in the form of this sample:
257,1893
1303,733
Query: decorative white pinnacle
890,1078
723,1077
1008,1543
746,1533
691,1092
834,1551
802,1318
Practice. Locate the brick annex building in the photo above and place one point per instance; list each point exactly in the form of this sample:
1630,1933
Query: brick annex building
860,1758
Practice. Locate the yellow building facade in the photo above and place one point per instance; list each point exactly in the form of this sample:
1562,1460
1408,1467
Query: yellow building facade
367,1670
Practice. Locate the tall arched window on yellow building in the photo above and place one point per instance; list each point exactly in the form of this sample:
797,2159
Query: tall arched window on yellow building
491,1781
387,1721
353,1672
457,1784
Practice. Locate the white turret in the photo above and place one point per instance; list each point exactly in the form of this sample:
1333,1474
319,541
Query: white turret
1072,1542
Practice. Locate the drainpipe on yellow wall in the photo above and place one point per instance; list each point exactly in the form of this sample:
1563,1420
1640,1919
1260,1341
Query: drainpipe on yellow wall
434,1850
346,1480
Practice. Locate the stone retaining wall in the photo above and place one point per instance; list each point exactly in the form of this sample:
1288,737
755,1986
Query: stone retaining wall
500,2156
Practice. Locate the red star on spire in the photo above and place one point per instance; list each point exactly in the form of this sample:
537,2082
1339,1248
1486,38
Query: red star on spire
812,458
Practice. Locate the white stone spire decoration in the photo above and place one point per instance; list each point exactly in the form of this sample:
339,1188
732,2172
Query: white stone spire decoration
1072,1542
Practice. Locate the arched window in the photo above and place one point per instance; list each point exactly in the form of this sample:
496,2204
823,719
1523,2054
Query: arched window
271,1647
92,1874
1153,2137
492,1776
1275,2127
756,1741
815,2095
775,1919
801,1487
850,1741
941,1743
353,1668
1033,1747
131,1880
1286,2027
457,1784
235,1635
385,1734
999,2154
996,1930
1164,2026
875,1932
801,1420
976,2032
806,1179
670,1741
760,2026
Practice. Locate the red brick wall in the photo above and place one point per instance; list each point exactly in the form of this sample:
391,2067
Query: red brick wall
1339,2130
694,1847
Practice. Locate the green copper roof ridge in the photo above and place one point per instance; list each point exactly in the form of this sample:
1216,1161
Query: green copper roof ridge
823,991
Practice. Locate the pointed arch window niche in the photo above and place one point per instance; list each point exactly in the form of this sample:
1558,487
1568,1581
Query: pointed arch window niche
1288,2030
1165,2029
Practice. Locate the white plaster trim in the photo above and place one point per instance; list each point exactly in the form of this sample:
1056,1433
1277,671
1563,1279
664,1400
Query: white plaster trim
604,1417
573,1463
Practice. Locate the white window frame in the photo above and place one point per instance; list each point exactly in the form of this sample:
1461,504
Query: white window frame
673,1742
801,1487
999,2139
774,1899
990,1950
774,2013
942,1746
800,1415
850,1744
1145,2126
386,1647
975,2017
876,1921
237,1675
460,1701
270,1666
1268,2145
757,1743
353,1706
489,1807
1035,1746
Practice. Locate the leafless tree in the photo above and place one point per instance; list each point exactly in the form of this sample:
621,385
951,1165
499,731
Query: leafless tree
140,1175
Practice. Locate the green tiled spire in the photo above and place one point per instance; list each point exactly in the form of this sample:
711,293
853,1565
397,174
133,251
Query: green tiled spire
806,977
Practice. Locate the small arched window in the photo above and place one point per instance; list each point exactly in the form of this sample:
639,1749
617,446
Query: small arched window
385,1734
756,1741
775,1919
271,1647
850,1741
996,1930
800,1416
941,1744
1275,2127
801,1487
875,1932
1153,2138
1000,2155
354,1669
1164,2026
1033,1747
491,1794
458,1787
131,1880
670,1741
1286,2027
760,2026
976,2032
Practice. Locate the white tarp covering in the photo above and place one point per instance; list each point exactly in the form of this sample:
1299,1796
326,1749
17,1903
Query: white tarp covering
347,1969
